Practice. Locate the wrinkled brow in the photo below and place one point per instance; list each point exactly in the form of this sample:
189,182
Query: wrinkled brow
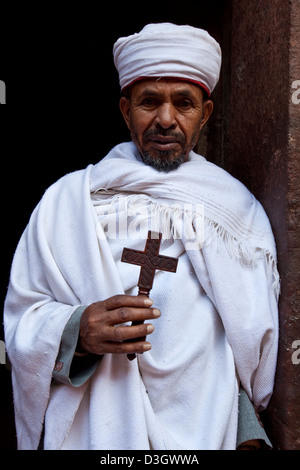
148,92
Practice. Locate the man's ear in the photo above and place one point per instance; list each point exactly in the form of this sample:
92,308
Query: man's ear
125,109
208,107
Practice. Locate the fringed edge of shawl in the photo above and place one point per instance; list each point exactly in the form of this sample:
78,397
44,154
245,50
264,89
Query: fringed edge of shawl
246,254
187,221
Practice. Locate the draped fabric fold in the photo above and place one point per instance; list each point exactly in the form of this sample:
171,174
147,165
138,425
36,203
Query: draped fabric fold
224,326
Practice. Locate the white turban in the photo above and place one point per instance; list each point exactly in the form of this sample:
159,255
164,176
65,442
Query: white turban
168,50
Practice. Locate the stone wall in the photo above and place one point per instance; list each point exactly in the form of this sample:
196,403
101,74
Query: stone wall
263,151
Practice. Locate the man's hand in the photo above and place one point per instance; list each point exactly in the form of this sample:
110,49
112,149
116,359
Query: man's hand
101,329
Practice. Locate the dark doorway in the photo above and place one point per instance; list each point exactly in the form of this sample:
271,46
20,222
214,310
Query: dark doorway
59,73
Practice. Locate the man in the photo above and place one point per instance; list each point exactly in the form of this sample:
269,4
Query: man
206,329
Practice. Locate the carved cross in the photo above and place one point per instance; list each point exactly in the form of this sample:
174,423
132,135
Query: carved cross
150,260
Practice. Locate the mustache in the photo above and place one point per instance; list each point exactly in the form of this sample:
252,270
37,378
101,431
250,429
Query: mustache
164,133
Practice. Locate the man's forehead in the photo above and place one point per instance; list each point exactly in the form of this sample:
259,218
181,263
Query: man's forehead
163,86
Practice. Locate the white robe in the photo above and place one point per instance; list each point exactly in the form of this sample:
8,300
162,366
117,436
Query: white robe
219,313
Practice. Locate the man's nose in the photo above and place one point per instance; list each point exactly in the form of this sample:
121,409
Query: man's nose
165,116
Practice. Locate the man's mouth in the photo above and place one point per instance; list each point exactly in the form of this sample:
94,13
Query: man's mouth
163,142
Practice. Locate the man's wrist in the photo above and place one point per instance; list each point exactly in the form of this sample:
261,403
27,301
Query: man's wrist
80,351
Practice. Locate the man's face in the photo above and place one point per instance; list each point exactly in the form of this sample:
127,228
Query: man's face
165,118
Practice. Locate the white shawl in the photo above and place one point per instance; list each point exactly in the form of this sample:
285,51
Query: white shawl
61,263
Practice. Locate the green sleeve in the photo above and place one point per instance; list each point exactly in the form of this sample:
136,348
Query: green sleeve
249,425
69,368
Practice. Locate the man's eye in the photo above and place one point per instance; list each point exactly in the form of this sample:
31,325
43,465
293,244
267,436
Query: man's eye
184,104
148,102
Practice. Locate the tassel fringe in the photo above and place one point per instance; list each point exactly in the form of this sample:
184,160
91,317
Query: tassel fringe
185,221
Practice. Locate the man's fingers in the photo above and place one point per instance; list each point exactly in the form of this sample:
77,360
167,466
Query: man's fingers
129,314
127,348
124,333
103,325
124,308
118,301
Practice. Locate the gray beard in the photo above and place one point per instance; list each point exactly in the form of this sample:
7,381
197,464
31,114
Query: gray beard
162,163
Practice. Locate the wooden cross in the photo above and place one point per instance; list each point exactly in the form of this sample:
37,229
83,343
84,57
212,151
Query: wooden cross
149,260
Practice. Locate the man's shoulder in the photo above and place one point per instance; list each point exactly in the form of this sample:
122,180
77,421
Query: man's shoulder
221,180
229,198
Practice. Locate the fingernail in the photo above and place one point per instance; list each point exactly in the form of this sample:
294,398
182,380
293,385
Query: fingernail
156,312
150,328
147,347
148,302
